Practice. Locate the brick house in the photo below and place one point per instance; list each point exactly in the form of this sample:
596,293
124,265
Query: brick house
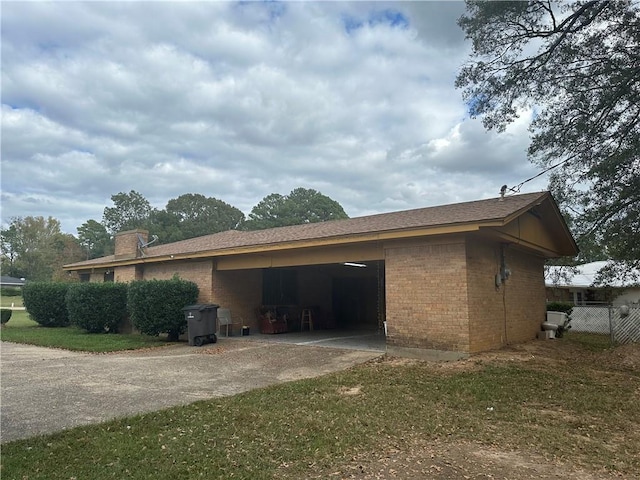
449,281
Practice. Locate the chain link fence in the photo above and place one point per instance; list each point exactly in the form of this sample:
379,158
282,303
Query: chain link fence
621,326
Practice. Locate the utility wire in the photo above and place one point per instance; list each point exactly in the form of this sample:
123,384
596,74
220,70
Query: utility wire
517,188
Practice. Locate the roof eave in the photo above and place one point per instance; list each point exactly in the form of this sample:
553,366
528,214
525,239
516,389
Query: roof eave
398,234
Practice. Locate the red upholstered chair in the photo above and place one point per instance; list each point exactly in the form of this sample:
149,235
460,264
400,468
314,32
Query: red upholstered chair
269,322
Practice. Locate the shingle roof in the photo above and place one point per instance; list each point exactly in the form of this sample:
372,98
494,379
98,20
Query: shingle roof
12,281
586,275
483,211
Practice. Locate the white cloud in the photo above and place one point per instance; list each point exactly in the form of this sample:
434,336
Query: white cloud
240,100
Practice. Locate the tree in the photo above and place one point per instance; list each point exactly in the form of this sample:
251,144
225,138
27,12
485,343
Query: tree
65,249
36,249
577,65
299,207
95,239
199,215
9,243
268,213
131,210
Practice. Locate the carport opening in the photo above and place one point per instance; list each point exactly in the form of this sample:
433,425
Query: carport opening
345,296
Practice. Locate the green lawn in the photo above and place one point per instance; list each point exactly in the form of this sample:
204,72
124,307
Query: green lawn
580,407
21,329
8,301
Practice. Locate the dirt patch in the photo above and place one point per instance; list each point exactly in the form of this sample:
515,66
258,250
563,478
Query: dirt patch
418,459
625,357
541,353
350,391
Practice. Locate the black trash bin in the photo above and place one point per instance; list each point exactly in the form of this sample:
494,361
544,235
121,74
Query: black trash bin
201,323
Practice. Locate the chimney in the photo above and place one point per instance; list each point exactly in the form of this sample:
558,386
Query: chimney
127,243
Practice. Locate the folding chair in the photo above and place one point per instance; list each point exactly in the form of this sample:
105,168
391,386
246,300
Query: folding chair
224,320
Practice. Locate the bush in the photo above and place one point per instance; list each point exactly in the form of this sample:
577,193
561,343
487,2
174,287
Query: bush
97,307
565,307
10,291
155,306
45,303
5,315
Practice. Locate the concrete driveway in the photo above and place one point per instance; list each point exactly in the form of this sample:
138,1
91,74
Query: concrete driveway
45,390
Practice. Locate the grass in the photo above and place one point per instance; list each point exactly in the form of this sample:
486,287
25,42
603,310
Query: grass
21,329
590,341
8,301
584,412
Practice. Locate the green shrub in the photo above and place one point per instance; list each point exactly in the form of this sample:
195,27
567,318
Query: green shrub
97,307
5,315
155,306
45,303
10,291
565,307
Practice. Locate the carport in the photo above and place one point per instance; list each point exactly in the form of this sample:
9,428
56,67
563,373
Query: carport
453,279
345,296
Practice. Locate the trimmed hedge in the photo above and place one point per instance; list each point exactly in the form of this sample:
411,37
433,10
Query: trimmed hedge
5,315
155,306
97,307
565,307
10,291
45,303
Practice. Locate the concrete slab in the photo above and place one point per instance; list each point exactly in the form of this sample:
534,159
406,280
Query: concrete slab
366,340
45,390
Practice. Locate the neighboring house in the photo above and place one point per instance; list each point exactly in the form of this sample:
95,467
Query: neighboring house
12,282
448,281
579,288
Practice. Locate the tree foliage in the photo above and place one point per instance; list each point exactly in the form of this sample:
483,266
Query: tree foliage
187,216
131,210
299,207
194,215
34,248
577,65
95,239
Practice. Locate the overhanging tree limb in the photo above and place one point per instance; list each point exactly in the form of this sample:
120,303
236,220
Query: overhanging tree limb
578,64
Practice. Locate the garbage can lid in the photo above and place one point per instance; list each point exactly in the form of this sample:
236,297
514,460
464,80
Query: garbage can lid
201,306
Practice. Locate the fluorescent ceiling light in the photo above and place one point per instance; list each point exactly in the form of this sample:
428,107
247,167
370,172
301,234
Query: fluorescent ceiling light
351,264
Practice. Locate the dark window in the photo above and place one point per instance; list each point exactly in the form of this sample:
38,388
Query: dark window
109,276
84,277
279,287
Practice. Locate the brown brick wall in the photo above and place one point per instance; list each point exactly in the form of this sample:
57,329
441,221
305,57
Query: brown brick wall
486,306
127,273
511,312
198,272
525,295
241,292
127,243
426,295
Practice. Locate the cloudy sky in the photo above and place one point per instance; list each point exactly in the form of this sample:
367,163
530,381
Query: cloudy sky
240,100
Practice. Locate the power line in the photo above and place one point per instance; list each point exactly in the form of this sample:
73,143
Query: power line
517,188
